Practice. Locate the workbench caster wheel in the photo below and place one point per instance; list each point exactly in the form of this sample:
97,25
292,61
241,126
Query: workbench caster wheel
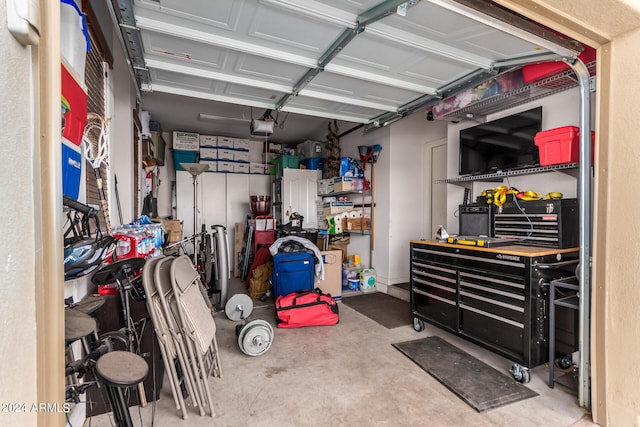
255,338
418,325
520,373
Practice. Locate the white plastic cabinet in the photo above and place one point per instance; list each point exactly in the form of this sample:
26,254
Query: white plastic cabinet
223,198
296,191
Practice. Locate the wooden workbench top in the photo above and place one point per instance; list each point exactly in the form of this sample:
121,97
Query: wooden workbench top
520,250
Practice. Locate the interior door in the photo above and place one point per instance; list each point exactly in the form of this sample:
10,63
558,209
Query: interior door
435,197
299,194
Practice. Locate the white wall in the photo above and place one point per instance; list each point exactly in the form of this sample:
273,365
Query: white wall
18,160
408,137
398,192
121,139
557,110
360,244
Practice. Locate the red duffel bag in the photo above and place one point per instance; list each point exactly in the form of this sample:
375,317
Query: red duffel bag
306,308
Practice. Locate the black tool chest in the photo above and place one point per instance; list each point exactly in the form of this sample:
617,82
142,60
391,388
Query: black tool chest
495,297
545,223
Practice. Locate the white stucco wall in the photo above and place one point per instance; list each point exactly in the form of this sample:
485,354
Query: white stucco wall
620,315
17,253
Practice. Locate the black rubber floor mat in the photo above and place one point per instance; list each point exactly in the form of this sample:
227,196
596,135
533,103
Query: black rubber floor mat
475,382
388,311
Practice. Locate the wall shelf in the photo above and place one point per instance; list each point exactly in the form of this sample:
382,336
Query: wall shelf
527,93
569,168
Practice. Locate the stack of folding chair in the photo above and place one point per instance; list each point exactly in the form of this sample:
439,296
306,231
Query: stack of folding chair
185,328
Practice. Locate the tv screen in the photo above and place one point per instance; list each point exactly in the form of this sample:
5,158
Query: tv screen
502,144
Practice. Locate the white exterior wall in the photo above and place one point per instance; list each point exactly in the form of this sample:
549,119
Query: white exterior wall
18,177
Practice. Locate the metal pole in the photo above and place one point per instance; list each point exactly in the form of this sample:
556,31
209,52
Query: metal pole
584,268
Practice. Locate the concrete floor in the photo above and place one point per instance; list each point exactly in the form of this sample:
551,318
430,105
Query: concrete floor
347,375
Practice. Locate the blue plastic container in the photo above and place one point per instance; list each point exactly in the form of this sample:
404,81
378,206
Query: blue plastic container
315,163
181,156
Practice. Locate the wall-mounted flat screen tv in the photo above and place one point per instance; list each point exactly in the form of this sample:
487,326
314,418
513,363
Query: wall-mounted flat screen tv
501,145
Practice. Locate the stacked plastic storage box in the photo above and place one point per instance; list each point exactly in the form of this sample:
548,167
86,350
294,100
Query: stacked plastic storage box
312,155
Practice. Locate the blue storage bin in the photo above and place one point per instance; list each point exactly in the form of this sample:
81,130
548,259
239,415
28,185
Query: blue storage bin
71,172
181,156
315,163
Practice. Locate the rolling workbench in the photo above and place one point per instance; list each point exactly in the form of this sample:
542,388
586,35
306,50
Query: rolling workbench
494,297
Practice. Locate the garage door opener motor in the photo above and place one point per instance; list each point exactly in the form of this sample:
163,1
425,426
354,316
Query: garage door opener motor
254,337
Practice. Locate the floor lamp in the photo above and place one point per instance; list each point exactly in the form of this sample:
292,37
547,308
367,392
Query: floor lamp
195,169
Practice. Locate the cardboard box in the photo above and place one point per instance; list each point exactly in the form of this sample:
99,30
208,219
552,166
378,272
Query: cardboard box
356,224
332,283
241,156
186,141
347,183
332,208
174,228
213,165
208,141
258,168
225,154
208,153
225,166
275,147
333,242
325,186
226,142
241,144
241,167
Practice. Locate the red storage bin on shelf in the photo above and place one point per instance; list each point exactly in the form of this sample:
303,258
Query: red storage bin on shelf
533,72
76,97
560,145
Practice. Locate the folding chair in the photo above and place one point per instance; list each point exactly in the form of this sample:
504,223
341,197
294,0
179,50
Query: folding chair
163,334
168,306
197,322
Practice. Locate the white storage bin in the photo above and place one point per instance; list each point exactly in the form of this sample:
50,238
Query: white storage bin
74,42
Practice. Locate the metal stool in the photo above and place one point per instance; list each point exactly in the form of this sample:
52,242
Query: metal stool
119,370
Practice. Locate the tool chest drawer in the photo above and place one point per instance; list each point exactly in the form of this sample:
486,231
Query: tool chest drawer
434,292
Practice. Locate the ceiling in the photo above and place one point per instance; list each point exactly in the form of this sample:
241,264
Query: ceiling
211,66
